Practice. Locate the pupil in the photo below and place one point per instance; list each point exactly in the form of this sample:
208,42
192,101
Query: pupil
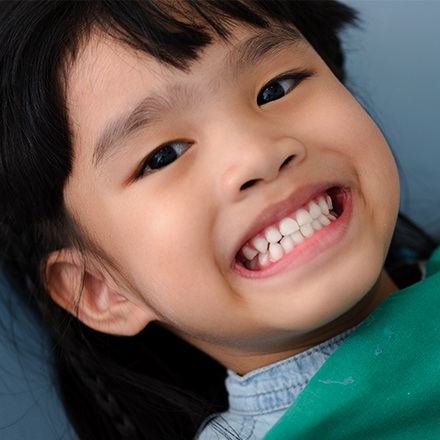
163,157
272,92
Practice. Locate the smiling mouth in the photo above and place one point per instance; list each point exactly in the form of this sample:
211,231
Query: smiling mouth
281,238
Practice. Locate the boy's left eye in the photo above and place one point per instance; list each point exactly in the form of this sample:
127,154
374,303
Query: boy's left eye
279,87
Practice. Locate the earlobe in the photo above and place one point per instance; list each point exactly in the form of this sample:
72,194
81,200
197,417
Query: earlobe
90,294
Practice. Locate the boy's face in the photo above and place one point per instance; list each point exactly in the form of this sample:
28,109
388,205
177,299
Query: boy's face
178,175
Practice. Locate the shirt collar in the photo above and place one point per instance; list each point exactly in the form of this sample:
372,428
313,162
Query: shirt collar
276,386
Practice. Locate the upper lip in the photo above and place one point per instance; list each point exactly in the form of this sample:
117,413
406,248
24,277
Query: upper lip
281,209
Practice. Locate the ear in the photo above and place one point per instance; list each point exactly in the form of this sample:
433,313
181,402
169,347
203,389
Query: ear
87,291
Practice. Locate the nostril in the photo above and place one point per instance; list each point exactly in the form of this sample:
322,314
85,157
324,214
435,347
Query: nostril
248,184
252,182
287,161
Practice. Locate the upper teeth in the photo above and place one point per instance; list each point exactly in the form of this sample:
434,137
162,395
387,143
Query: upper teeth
279,239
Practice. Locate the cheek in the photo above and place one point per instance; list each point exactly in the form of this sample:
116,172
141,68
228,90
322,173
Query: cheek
159,236
376,170
337,126
163,250
340,124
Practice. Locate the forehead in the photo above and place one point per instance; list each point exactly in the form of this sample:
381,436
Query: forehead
109,79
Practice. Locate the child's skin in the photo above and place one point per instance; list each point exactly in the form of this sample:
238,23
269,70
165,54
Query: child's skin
170,237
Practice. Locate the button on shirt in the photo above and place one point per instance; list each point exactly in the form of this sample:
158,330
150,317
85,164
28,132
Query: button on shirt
258,399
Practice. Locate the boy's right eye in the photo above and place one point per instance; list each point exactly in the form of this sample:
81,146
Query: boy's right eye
163,156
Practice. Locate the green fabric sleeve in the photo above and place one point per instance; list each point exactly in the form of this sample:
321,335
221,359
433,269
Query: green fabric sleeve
384,380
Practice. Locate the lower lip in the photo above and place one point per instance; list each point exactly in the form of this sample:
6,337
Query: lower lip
310,249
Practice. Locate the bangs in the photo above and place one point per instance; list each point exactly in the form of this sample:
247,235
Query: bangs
176,31
173,32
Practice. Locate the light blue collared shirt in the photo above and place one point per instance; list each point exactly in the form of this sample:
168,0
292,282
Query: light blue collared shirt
258,399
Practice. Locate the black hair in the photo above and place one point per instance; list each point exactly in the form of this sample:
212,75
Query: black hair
153,385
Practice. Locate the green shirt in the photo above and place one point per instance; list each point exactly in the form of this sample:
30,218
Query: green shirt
384,380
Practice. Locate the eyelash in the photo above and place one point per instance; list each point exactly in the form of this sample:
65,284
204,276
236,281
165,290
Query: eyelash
163,156
271,90
167,153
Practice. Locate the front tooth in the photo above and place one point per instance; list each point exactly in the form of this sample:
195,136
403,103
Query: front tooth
303,217
323,205
324,220
307,230
287,244
260,244
248,252
297,237
272,235
275,251
314,209
316,225
288,226
263,259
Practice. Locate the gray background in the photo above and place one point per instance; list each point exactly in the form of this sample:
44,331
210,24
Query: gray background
394,69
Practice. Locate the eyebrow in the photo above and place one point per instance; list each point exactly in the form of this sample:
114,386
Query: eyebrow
152,109
147,112
268,42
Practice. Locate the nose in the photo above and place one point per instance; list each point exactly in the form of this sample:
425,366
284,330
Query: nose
257,159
